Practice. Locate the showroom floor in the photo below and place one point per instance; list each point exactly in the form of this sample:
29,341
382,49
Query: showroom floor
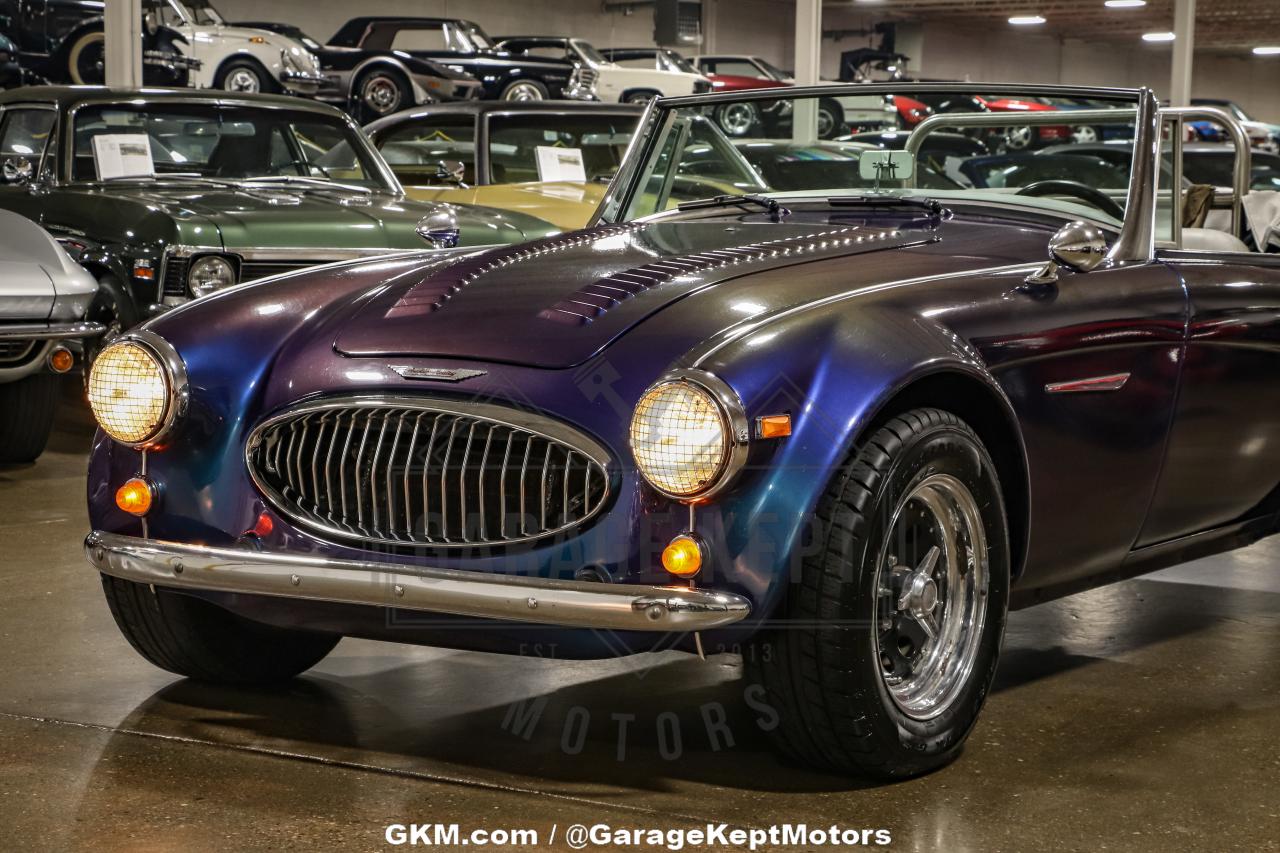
1136,717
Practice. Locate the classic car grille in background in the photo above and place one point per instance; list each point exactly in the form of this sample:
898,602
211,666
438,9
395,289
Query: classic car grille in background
175,271
420,474
13,353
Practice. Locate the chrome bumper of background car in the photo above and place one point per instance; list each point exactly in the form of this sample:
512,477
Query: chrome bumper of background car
49,331
574,604
301,81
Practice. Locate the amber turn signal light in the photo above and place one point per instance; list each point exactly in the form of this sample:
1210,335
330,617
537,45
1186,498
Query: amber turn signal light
136,496
773,426
61,360
683,557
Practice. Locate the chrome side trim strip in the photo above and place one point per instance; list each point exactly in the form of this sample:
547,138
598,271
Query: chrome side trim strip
49,331
1114,382
574,604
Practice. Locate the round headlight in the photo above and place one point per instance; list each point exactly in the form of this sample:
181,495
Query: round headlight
137,387
210,273
683,436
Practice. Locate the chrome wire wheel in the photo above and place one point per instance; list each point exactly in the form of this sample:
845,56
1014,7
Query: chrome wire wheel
932,581
1019,138
242,80
381,94
522,92
737,119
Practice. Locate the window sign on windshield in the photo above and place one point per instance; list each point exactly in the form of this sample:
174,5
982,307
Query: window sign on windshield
560,164
122,155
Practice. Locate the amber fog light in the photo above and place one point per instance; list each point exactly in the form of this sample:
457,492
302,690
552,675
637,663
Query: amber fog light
688,435
136,496
137,387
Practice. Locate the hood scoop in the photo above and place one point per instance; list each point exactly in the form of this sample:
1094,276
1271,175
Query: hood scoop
586,288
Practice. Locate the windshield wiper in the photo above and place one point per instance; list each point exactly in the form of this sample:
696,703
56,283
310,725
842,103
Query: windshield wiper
932,206
775,208
313,182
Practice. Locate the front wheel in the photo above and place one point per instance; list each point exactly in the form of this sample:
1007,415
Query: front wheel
891,635
737,119
242,75
382,92
197,639
524,90
86,59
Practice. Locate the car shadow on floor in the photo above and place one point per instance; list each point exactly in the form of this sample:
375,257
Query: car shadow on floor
638,729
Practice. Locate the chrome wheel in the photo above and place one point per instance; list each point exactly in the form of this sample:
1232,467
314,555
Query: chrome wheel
242,80
932,581
737,119
522,92
381,94
1019,138
826,123
1084,134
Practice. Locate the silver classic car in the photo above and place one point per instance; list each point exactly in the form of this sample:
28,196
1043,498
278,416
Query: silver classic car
43,299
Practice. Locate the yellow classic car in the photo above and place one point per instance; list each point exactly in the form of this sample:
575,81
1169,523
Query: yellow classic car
547,159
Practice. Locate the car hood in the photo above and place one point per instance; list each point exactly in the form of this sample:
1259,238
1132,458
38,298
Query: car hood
288,217
557,302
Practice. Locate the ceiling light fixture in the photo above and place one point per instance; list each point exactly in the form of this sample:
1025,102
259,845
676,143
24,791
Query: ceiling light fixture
1158,36
1267,50
1125,4
1026,20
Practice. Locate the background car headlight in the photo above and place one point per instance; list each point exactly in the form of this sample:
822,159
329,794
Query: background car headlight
683,437
136,388
210,273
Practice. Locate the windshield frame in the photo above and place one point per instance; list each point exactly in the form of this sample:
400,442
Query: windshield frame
1137,232
356,137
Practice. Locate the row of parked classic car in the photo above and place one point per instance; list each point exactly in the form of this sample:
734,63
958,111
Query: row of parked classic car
234,190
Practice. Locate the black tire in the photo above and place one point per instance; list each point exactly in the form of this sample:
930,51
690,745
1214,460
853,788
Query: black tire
825,678
235,76
380,92
26,417
194,638
641,96
830,119
524,90
85,58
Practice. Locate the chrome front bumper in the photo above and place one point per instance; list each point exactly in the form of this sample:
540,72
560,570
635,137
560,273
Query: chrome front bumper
49,331
573,604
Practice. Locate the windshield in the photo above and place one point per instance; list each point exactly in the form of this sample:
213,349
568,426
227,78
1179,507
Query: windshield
173,13
671,61
478,38
589,53
1072,161
774,71
221,143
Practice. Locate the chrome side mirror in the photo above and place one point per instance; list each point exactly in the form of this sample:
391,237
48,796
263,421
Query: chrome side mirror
17,171
1078,246
440,227
150,23
451,172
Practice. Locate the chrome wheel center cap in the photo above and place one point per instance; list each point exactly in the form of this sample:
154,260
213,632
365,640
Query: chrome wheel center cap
919,596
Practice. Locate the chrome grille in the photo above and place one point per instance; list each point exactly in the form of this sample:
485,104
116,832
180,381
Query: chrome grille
13,352
404,471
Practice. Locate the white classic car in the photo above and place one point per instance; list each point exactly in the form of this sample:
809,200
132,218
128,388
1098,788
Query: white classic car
44,296
613,82
235,58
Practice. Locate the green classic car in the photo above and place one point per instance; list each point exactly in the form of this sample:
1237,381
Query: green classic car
166,195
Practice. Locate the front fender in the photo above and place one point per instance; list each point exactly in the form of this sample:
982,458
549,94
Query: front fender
833,371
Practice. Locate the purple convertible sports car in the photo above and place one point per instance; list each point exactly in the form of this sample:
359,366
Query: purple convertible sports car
840,428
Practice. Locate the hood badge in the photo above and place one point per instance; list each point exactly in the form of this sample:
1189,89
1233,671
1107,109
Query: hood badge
438,374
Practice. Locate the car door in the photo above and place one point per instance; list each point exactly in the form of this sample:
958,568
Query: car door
1223,459
26,136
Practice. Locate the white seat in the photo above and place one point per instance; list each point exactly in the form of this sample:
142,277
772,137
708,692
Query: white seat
1211,240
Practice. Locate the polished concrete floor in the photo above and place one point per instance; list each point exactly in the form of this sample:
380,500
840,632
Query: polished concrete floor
1142,716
